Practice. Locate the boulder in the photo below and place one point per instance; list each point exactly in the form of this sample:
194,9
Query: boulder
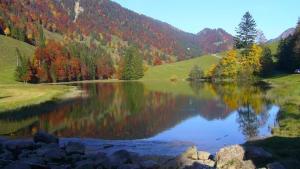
16,146
129,166
275,165
85,164
75,148
234,153
17,165
191,153
121,157
55,155
7,155
149,164
197,166
202,155
45,138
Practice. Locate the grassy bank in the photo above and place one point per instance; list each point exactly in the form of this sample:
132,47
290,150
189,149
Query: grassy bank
286,92
285,144
14,94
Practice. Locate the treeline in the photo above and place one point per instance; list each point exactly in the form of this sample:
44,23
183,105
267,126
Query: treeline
57,63
250,58
54,62
289,52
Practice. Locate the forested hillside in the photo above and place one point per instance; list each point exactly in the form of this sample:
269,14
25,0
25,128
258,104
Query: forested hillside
108,23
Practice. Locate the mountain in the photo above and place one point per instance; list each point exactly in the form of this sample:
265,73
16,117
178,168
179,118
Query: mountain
284,35
112,25
214,40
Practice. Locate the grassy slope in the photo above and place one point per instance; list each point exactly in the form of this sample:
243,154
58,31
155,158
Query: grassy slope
14,94
179,69
8,57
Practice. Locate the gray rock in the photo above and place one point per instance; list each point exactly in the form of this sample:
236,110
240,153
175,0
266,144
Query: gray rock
45,138
86,164
191,153
229,154
75,148
123,157
16,146
55,155
129,166
4,163
7,155
197,166
61,167
202,155
17,165
275,165
46,148
34,161
149,164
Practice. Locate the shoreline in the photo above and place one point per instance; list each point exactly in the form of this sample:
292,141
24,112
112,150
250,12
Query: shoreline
48,151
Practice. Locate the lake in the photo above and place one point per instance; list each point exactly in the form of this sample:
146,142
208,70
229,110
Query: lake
152,117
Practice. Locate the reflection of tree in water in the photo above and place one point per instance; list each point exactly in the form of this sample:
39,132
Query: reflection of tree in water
250,122
250,103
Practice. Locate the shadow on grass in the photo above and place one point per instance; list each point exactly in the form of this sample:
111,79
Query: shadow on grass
285,150
4,97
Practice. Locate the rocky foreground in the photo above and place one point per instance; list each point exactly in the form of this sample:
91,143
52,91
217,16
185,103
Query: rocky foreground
45,152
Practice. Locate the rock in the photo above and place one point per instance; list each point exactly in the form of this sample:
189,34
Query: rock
61,167
197,166
129,166
191,153
75,148
149,164
275,165
55,155
17,165
86,164
257,154
209,163
34,161
7,155
45,138
202,155
4,163
74,158
46,148
123,157
229,154
16,146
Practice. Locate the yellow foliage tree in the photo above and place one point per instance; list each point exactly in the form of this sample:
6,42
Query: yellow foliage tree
251,61
228,66
7,31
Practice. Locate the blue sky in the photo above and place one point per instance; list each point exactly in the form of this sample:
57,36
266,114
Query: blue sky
272,16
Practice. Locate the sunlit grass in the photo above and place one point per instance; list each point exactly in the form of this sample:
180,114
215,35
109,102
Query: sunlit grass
180,70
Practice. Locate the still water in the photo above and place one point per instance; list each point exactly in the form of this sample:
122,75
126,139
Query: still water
169,114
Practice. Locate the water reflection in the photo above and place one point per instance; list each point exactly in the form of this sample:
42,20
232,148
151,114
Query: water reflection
133,110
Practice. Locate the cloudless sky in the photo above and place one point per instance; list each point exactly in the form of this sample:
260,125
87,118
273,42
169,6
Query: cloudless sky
272,16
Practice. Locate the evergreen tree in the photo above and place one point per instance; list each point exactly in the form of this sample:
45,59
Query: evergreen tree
22,72
133,64
289,52
267,64
246,32
42,38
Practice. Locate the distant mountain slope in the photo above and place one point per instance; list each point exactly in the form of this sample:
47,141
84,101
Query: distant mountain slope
105,20
214,40
284,35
